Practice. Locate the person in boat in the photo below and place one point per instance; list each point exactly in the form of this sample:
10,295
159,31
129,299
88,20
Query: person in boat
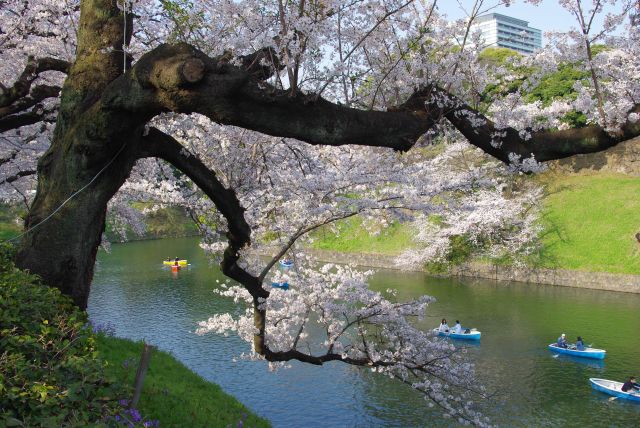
176,260
562,341
444,327
580,344
457,329
631,385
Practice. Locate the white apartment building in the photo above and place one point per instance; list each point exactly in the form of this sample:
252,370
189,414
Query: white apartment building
507,32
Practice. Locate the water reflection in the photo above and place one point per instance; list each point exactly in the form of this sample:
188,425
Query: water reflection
570,359
517,321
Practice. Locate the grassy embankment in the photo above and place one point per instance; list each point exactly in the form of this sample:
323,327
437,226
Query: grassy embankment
170,221
172,393
165,222
589,220
352,238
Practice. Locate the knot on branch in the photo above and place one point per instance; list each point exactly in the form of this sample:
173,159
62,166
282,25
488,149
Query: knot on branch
177,72
170,67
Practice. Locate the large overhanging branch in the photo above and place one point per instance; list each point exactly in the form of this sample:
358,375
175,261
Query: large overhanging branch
182,79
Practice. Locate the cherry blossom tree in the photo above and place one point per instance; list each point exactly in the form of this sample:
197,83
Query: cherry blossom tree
268,120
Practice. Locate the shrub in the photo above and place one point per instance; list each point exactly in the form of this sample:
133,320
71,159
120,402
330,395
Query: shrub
49,372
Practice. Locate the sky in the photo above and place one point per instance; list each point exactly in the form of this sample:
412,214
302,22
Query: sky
548,16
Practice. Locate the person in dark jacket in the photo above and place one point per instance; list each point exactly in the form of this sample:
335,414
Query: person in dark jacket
631,386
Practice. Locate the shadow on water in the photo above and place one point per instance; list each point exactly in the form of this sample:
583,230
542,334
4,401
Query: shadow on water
144,301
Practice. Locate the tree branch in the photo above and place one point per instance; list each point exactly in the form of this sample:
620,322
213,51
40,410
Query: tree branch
500,143
17,120
232,96
17,176
158,144
32,70
39,93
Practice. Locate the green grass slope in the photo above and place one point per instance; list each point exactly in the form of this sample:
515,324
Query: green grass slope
172,393
590,221
354,238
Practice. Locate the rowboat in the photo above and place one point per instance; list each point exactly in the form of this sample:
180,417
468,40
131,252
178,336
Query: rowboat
286,263
614,388
172,262
472,335
598,354
283,285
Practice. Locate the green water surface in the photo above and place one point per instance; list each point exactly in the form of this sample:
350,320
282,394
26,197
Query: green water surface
532,387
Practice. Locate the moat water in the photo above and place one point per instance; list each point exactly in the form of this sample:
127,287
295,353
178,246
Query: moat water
133,292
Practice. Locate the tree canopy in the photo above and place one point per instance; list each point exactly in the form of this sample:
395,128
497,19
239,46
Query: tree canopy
270,119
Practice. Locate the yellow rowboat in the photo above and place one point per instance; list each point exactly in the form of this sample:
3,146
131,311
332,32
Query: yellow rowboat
172,262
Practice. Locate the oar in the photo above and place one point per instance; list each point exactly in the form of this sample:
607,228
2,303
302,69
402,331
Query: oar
632,393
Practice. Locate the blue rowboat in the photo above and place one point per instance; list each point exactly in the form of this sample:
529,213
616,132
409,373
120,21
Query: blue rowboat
597,354
286,263
283,285
472,335
614,388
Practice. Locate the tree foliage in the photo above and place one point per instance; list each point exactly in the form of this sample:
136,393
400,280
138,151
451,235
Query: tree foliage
49,373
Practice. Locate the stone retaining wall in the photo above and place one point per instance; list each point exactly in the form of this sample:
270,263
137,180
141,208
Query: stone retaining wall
623,158
560,277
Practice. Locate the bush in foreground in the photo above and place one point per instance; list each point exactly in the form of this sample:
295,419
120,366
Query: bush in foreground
49,372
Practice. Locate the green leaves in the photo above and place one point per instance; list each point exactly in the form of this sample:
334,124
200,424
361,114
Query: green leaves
49,373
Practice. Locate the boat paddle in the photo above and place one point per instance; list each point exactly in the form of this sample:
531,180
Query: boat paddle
632,393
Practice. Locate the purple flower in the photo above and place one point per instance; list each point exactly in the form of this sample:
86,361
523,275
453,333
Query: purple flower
117,418
107,328
135,415
123,402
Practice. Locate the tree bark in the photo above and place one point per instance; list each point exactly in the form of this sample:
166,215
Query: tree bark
88,160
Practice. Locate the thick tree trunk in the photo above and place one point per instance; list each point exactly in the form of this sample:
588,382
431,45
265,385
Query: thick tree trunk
89,159
61,246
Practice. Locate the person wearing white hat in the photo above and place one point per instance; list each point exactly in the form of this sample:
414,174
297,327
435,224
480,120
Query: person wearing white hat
562,341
